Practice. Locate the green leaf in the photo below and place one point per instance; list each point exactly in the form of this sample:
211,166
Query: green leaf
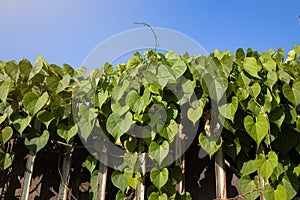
33,103
4,88
130,144
292,94
251,66
158,152
37,67
291,185
271,79
268,63
90,163
266,164
119,180
255,90
119,90
25,67
158,196
67,132
248,168
87,119
277,116
195,114
228,110
3,117
20,123
121,196
210,144
133,178
271,194
283,76
249,187
118,126
170,131
6,134
297,170
178,68
136,102
257,127
37,143
6,159
45,117
159,177
12,70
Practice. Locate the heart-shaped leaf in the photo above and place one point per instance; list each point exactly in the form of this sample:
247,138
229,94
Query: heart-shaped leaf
249,187
5,134
255,90
136,102
158,152
33,103
251,66
90,163
228,110
119,180
67,132
266,165
37,143
3,117
159,177
170,131
6,159
117,126
257,127
292,94
268,63
210,144
158,196
45,117
248,168
195,114
133,178
4,88
20,122
37,67
278,194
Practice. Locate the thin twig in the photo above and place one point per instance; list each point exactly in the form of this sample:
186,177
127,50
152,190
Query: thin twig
152,30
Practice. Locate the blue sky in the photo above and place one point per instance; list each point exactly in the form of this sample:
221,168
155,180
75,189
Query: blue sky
65,31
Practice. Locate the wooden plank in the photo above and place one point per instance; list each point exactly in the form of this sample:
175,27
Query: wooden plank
28,175
140,189
179,140
220,170
102,177
65,174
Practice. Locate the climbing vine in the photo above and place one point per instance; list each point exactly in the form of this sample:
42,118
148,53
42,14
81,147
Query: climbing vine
246,102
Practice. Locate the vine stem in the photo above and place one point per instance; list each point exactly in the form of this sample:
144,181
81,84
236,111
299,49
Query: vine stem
153,32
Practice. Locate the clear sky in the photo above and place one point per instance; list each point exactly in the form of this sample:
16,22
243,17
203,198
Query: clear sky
65,31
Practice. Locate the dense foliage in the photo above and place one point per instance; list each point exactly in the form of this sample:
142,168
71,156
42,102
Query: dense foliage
249,102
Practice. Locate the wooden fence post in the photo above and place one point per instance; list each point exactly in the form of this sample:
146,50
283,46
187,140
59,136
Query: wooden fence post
180,187
220,170
28,175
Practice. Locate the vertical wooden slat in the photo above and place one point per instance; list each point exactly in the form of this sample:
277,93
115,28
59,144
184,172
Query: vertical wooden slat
180,187
64,184
140,189
28,175
261,182
220,170
102,176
